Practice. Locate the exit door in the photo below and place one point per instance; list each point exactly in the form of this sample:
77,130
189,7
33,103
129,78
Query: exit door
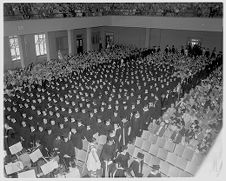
79,46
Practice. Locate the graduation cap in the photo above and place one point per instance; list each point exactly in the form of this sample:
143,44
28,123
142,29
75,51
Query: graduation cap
140,155
156,167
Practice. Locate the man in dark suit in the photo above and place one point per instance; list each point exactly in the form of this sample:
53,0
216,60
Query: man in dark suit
136,167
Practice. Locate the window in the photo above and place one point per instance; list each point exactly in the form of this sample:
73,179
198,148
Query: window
40,44
14,47
195,42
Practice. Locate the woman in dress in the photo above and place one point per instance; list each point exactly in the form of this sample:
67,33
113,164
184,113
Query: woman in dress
93,161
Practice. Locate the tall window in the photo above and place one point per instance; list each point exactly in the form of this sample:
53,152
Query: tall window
40,44
14,47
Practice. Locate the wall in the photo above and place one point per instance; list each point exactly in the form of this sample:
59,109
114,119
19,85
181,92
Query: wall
127,30
175,23
122,35
180,37
45,25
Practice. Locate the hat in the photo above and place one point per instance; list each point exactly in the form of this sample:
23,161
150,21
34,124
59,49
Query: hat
156,167
140,155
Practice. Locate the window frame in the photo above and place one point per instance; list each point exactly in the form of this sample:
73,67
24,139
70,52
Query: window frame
16,48
40,44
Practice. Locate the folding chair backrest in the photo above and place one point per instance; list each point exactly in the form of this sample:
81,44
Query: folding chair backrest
154,161
192,168
181,163
146,170
171,158
162,153
184,174
81,155
146,145
145,134
85,144
179,149
138,142
164,167
188,154
173,171
161,142
147,157
154,149
153,138
170,146
25,159
131,149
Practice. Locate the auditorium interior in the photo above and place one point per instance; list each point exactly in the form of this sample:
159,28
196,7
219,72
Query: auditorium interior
112,90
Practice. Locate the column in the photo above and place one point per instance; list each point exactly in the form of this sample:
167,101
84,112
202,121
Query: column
88,39
70,42
147,37
48,46
22,50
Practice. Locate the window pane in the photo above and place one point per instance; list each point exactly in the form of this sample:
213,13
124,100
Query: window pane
36,39
41,50
37,50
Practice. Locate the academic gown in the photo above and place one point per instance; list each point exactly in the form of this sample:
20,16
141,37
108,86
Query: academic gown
76,140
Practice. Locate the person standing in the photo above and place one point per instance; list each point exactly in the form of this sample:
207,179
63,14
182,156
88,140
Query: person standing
93,161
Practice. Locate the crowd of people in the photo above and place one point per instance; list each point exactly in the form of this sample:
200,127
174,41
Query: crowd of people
117,93
58,10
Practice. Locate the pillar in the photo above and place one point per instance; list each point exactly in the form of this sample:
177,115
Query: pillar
88,39
70,42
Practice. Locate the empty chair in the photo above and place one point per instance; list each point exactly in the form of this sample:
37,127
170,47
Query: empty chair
161,142
197,159
25,159
164,167
146,145
184,174
162,153
192,168
179,149
146,170
154,161
131,149
169,146
145,135
154,150
81,155
188,154
138,142
181,163
85,144
172,158
173,171
153,138
147,157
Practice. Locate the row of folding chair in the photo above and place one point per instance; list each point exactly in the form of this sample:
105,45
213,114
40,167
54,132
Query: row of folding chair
176,154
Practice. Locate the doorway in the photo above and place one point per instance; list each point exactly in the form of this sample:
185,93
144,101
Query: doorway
79,43
109,39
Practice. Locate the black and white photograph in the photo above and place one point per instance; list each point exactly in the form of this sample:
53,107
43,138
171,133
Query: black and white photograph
112,89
